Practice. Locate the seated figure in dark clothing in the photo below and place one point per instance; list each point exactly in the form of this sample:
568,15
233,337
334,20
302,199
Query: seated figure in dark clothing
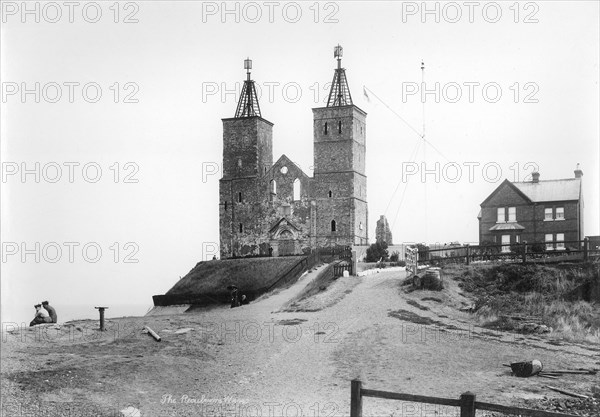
51,311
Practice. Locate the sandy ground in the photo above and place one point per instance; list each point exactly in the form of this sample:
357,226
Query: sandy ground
259,360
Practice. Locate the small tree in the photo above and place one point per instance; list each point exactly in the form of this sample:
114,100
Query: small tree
395,256
377,251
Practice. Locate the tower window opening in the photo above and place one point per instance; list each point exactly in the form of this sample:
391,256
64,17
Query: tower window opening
340,126
225,205
240,197
325,131
239,162
330,193
333,226
273,187
241,228
296,189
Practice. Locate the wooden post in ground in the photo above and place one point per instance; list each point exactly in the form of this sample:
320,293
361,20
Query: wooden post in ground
468,254
101,310
467,404
356,399
585,249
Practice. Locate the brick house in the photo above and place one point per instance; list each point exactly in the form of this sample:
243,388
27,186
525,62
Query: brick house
548,212
275,208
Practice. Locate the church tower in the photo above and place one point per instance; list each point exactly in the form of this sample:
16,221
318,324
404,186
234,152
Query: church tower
247,156
340,183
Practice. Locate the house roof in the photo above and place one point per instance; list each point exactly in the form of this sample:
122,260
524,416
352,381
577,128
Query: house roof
551,190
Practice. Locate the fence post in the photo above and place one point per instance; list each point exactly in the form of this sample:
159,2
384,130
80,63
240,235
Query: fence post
356,398
467,404
585,249
468,255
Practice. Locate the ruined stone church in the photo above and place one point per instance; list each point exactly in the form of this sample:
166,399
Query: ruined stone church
276,209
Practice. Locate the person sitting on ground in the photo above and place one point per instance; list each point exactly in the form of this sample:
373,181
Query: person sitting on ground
51,311
244,300
41,316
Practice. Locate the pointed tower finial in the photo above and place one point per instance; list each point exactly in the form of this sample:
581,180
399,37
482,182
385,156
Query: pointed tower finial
339,95
248,104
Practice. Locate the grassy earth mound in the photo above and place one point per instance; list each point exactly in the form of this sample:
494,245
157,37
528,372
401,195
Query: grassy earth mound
558,296
252,274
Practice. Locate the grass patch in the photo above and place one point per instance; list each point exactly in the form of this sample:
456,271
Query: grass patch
252,274
437,300
550,295
416,304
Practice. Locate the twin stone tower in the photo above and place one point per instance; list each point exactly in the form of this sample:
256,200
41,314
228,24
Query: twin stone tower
276,208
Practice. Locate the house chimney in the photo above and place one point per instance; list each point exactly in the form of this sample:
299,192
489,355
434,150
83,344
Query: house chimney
535,177
578,172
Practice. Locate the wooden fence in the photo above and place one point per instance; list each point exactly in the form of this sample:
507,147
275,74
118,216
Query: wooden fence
466,402
550,252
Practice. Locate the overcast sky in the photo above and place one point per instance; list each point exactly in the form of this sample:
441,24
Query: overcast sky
518,91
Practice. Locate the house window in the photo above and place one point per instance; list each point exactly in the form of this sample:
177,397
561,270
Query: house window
560,213
549,239
501,218
240,197
333,226
325,130
296,189
512,214
505,243
241,228
340,126
330,194
560,241
518,238
548,214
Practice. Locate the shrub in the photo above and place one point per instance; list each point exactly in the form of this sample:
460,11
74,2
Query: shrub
395,256
377,251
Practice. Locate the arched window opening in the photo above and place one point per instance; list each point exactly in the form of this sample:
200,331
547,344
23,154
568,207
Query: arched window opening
330,193
241,228
340,126
273,187
325,131
296,189
225,205
333,226
240,197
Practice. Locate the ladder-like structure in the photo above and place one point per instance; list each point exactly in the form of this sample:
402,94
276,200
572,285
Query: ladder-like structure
248,104
339,95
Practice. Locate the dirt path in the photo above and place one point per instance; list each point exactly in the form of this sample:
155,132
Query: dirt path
256,358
